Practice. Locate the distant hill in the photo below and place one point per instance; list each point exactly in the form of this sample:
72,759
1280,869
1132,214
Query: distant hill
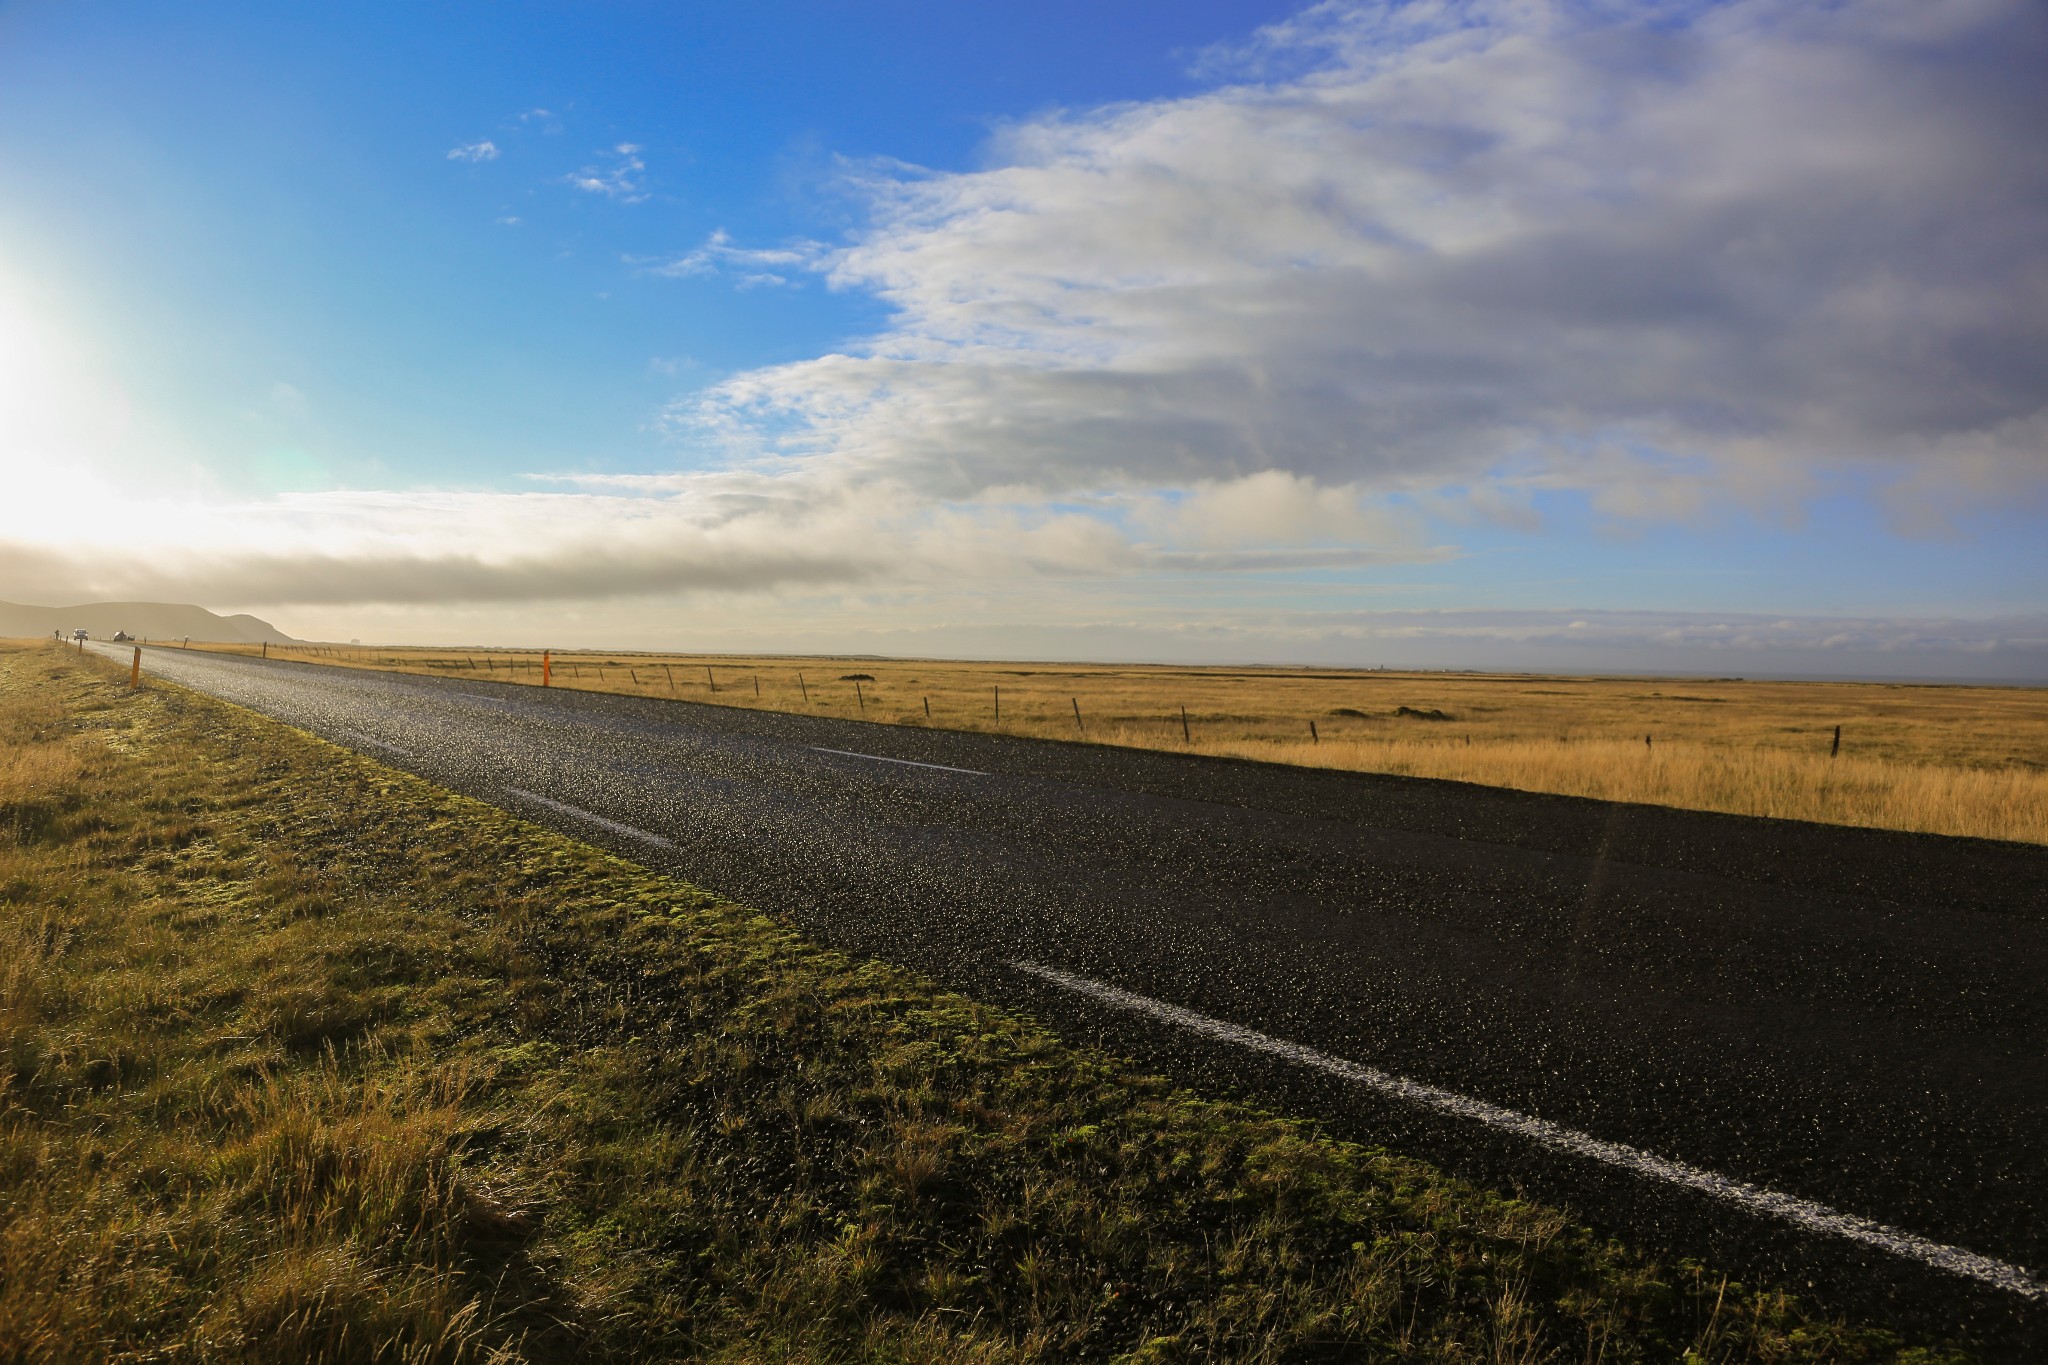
146,620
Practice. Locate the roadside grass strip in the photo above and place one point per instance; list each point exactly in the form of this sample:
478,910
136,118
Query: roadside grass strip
1768,1203
305,1059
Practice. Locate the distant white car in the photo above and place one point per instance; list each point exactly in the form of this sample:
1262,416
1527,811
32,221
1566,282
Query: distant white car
79,634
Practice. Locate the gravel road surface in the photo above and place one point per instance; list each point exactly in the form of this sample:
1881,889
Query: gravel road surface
1814,1054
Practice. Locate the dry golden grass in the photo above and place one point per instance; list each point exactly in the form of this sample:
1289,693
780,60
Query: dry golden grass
29,773
1875,792
1938,759
33,767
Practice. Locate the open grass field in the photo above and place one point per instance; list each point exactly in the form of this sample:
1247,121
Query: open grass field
305,1059
1942,760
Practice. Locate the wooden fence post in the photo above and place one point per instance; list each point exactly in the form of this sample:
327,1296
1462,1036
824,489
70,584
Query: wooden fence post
1313,737
547,666
999,702
859,698
1836,750
1077,717
713,681
135,671
1185,737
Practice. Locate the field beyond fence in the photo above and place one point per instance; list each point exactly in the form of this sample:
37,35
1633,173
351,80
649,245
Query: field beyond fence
1936,759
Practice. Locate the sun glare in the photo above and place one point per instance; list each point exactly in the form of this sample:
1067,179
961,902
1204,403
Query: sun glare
62,422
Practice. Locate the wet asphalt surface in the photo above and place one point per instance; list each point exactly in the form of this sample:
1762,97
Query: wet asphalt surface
1853,1017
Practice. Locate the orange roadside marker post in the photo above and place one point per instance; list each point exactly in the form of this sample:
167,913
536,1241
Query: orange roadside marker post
547,666
135,671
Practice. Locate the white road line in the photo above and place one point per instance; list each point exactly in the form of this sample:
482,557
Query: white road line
614,826
1790,1208
877,758
361,738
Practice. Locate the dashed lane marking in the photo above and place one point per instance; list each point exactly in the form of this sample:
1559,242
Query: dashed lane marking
1804,1213
581,814
908,763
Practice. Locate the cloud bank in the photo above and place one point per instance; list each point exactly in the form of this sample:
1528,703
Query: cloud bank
1662,257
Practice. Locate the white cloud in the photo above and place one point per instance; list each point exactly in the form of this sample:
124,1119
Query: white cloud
749,266
474,152
1272,507
620,179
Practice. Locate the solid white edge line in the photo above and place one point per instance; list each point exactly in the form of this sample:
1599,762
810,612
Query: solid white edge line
908,763
1789,1208
581,814
361,738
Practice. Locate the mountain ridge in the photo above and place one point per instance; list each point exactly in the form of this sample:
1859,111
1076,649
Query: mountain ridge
146,620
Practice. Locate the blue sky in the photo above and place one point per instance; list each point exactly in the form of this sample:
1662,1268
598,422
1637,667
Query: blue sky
229,197
1460,332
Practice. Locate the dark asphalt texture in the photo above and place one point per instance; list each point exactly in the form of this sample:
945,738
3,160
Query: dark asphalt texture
1855,1017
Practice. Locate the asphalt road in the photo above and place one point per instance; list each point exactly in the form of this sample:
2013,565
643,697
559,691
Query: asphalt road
1811,1054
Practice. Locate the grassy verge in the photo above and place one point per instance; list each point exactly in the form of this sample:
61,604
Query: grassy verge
307,1060
1941,760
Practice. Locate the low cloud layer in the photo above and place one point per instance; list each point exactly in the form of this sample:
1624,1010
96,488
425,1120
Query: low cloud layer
1401,267
727,533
